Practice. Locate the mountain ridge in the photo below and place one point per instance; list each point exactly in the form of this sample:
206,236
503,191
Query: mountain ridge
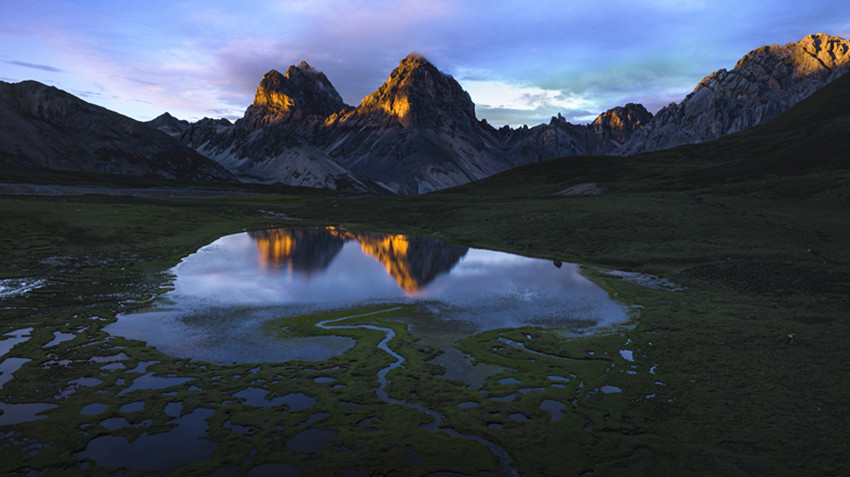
43,127
418,132
764,82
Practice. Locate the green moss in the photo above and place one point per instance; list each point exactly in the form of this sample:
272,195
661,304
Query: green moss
716,385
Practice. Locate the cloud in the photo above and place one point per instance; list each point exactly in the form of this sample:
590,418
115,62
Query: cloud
35,66
195,57
514,117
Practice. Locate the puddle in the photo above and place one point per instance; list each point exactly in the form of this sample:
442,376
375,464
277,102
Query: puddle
509,381
225,336
173,409
607,389
59,337
310,440
314,418
19,413
257,397
299,401
509,397
238,429
75,385
528,390
142,366
116,357
554,408
517,416
14,338
558,378
324,379
462,367
9,367
163,451
149,381
18,286
115,423
627,355
132,407
649,281
94,409
467,405
521,346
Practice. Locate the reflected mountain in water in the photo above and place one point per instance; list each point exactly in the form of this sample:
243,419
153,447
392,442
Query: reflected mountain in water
298,250
413,262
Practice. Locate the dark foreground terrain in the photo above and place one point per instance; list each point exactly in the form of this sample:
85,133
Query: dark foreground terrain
742,371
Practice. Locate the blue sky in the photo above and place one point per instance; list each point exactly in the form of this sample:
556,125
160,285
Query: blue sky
521,61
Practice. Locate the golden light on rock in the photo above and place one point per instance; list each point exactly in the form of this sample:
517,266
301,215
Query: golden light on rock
392,252
281,248
276,248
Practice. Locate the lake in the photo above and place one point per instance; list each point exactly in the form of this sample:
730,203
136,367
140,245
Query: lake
223,293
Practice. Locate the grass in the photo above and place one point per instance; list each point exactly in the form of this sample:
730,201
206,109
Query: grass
743,372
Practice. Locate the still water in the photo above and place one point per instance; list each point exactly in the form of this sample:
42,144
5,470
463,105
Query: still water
224,292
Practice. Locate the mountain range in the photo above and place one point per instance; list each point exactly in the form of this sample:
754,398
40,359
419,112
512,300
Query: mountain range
416,133
42,127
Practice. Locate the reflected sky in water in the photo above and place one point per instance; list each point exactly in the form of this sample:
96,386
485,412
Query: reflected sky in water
226,290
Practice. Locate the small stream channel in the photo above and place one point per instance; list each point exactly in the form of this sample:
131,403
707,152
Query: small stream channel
504,458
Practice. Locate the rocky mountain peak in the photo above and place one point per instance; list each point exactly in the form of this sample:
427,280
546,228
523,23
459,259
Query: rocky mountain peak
168,124
417,94
618,124
763,84
823,56
302,91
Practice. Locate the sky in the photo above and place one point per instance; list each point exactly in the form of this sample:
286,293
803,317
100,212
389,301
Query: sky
522,62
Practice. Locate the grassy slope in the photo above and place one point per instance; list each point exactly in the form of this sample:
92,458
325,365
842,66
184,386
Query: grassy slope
754,225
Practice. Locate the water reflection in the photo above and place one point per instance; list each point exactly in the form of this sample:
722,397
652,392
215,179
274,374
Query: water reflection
224,292
297,250
412,261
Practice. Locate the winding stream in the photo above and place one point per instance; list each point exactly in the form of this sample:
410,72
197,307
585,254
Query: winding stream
504,458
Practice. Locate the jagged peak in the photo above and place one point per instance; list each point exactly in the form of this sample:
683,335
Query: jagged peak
168,116
813,52
303,90
415,59
418,94
619,123
303,69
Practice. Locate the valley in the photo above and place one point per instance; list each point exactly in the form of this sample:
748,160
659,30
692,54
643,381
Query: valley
725,261
741,369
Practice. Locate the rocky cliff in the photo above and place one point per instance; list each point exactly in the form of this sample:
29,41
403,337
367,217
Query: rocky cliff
763,84
300,94
615,127
418,131
42,127
170,125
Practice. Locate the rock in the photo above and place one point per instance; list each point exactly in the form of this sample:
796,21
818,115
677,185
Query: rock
302,93
42,127
418,131
763,84
617,125
169,124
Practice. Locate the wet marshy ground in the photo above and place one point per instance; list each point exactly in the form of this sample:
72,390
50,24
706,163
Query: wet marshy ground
408,373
